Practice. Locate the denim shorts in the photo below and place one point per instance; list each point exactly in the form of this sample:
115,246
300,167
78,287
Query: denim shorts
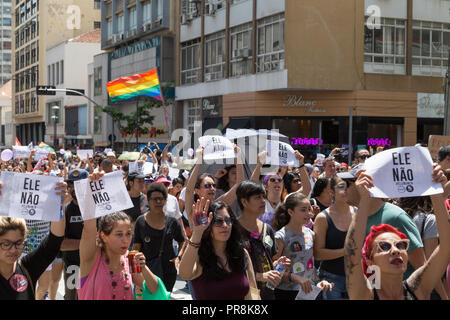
339,291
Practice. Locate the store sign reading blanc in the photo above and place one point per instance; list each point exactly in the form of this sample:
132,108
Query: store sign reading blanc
298,101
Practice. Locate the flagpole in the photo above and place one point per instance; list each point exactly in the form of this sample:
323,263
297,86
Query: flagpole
137,122
163,103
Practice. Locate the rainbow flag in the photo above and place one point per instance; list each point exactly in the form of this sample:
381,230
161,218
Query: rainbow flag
143,84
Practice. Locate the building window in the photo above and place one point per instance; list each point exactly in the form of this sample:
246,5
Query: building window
120,26
194,113
49,75
97,120
98,81
431,42
53,75
159,8
147,12
97,4
241,53
109,28
97,24
132,17
33,102
61,67
384,47
190,62
215,56
271,43
57,72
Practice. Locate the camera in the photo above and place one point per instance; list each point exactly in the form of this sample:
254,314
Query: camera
146,150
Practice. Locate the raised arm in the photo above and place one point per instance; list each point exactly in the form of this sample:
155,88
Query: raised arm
355,279
190,268
304,176
230,196
164,153
190,185
261,160
58,228
88,242
423,280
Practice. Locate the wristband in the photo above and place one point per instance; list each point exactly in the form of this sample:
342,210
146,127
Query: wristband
195,245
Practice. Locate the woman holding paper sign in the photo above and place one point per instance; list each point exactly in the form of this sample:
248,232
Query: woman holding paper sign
104,264
385,253
19,275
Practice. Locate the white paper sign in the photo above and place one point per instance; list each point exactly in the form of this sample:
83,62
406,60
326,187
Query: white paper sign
402,172
280,154
134,166
148,168
41,153
320,158
312,295
239,133
217,147
21,152
30,196
83,154
108,150
173,173
102,197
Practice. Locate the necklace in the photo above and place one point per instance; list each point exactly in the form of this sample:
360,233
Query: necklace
115,283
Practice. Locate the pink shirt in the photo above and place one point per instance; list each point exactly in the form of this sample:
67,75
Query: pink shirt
98,285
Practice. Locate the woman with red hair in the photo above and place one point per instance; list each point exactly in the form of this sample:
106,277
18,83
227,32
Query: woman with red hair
385,253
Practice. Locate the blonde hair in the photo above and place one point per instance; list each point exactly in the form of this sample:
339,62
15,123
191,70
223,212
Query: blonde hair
8,224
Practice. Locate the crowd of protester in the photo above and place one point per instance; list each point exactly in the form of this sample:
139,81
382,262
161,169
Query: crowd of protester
267,237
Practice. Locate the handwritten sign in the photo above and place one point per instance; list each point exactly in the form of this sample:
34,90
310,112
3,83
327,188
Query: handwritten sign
21,152
280,154
435,143
217,147
102,197
402,172
30,196
134,166
84,154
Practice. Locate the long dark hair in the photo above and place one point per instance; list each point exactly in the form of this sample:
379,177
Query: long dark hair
282,216
412,204
223,183
319,187
235,252
198,183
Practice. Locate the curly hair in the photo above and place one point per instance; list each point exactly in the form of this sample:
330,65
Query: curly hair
235,252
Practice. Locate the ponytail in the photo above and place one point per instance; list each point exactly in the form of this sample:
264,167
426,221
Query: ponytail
282,216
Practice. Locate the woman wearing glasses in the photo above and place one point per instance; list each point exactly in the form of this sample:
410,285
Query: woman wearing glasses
154,234
384,254
330,230
215,261
19,275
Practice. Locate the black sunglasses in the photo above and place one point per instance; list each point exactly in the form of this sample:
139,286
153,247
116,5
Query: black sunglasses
218,222
364,156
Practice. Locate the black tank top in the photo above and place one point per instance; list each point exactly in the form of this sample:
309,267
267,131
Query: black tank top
334,239
408,294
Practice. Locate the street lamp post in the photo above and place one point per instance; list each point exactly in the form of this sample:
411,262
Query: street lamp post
55,118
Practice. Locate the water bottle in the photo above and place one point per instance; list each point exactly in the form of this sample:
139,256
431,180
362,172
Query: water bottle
280,269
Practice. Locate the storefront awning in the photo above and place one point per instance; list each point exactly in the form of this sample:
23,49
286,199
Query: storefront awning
238,123
212,123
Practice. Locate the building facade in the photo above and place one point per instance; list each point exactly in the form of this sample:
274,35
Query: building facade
306,67
5,41
6,126
37,26
137,36
68,117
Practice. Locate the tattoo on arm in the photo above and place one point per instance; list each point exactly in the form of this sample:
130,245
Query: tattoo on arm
350,251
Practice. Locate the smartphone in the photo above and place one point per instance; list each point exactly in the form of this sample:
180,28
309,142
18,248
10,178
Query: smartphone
313,202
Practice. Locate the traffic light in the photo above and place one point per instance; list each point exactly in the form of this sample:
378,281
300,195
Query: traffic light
43,91
68,93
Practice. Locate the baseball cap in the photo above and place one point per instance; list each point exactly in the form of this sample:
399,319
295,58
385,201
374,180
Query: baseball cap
111,154
352,173
162,180
77,174
135,174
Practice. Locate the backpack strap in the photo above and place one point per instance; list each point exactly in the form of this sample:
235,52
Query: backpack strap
28,277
